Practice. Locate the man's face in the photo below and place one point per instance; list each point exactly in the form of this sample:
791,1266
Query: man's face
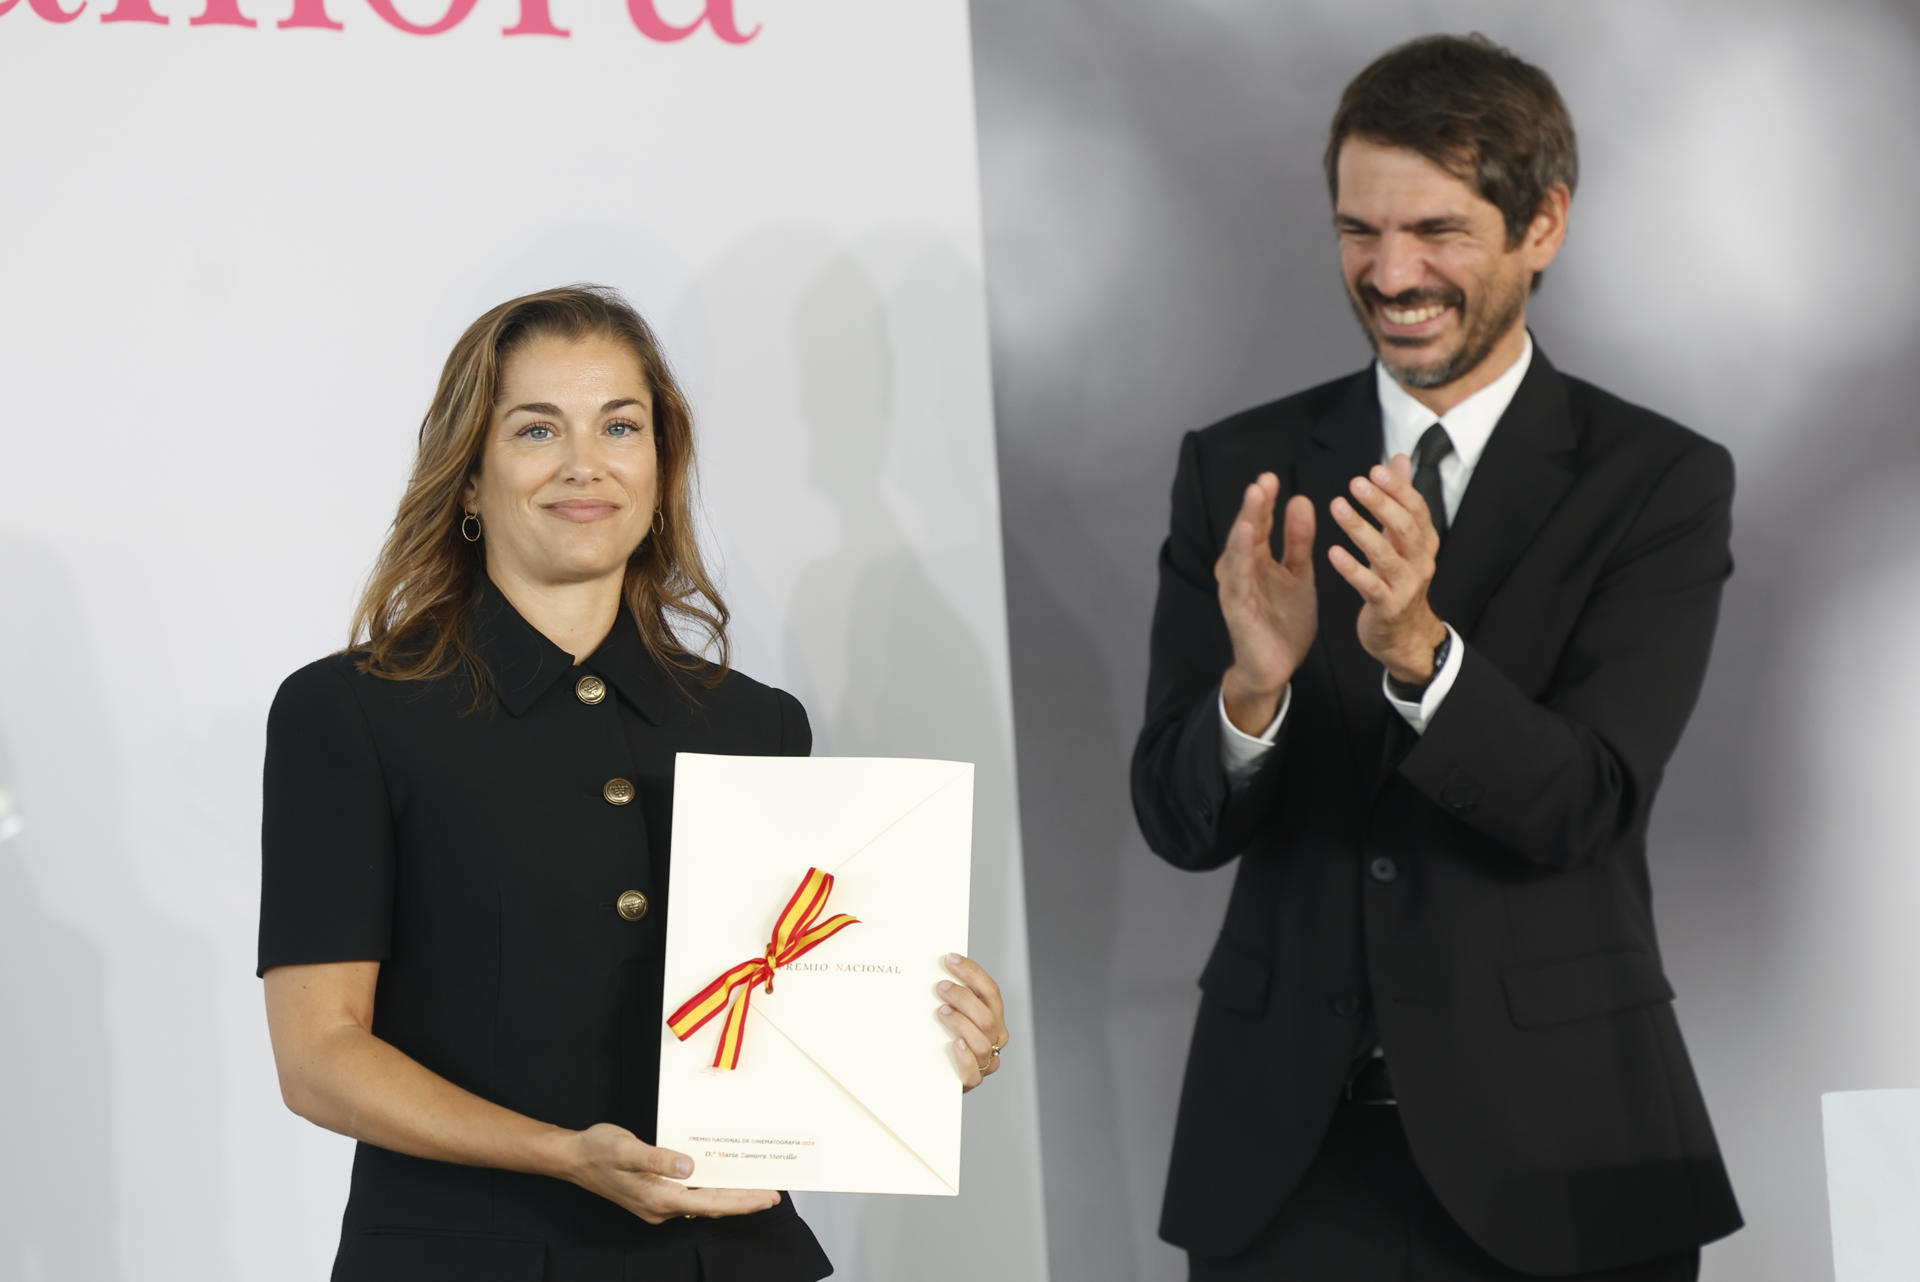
1427,265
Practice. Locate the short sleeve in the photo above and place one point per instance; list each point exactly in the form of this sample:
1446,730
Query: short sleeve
326,827
796,732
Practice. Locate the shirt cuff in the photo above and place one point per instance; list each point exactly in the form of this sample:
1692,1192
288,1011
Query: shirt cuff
1419,715
1242,753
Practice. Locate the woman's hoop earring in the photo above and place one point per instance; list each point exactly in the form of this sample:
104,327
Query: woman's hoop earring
659,522
473,537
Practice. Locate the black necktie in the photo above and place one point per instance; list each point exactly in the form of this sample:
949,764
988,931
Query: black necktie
1434,445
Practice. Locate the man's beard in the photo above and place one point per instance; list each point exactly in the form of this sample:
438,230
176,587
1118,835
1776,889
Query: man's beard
1482,334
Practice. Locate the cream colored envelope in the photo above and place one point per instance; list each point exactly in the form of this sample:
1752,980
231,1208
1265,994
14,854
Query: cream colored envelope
846,1079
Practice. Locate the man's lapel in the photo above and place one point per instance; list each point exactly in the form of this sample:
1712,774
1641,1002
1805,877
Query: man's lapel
1525,470
1346,443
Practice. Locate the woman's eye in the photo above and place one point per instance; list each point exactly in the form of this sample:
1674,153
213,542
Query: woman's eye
537,432
621,427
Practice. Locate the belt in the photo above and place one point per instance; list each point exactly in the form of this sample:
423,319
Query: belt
1370,1083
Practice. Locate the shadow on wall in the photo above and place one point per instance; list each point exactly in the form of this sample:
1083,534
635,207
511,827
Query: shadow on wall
1074,815
111,1069
894,457
56,1129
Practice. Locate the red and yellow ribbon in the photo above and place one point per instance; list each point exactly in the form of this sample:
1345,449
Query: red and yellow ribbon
793,934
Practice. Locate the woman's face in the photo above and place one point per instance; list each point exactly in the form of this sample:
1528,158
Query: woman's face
568,478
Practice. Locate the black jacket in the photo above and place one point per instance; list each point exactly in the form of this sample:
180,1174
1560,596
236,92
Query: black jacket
479,856
1475,896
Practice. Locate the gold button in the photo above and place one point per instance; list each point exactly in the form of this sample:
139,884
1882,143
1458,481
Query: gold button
590,689
617,792
632,905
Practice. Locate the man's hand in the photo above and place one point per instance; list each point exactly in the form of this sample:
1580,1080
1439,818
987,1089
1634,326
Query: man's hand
1271,612
1396,625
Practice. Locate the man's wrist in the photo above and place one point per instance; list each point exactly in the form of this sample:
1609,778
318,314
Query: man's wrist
1417,669
1249,707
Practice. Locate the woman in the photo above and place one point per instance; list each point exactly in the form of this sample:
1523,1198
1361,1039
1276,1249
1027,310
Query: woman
466,833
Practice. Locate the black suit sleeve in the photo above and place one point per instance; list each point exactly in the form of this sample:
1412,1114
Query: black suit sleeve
326,828
1564,779
1180,795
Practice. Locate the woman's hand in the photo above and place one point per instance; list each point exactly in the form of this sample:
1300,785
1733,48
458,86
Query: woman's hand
614,1163
977,1016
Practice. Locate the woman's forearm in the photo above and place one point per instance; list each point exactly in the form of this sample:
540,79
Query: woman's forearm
336,1073
348,1080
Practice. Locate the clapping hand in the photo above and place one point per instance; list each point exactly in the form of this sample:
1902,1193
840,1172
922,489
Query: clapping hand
1396,624
1271,612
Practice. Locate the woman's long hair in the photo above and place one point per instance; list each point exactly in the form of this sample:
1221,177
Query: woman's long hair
414,621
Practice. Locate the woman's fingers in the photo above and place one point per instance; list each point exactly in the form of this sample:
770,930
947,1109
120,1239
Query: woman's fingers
972,1036
713,1203
974,976
968,1063
656,1200
661,1161
616,1149
991,1013
644,1179
976,1013
661,1201
968,1007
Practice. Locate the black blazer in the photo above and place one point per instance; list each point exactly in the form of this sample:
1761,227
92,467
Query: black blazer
1475,896
480,856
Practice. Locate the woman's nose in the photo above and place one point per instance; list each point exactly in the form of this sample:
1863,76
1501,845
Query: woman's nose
583,456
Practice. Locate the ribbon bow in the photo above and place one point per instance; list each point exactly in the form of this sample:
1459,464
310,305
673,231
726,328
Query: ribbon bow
793,935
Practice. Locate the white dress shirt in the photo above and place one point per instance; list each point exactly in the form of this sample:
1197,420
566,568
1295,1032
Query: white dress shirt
1403,419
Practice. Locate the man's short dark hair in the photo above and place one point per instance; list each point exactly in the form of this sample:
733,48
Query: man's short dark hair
1474,109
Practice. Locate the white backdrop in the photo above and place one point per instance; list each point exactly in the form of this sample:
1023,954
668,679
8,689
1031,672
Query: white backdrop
233,259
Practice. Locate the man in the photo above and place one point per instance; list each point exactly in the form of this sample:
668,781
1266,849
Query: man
1427,708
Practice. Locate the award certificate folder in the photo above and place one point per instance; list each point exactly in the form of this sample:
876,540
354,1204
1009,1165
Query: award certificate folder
842,1077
